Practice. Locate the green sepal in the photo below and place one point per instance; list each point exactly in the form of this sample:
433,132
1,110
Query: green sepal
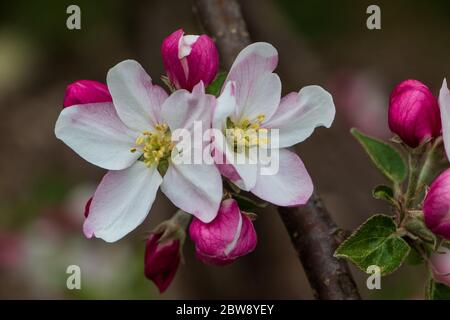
215,87
247,204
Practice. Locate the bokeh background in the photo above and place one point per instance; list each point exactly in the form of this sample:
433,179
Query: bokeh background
44,185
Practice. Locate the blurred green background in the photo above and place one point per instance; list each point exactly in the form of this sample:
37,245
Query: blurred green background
44,185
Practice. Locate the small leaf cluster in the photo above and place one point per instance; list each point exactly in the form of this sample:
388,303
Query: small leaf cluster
388,240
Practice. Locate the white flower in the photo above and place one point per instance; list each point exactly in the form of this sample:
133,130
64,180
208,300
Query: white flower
131,137
250,104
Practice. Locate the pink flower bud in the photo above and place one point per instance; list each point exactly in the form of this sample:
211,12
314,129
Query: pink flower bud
437,205
414,113
86,91
161,260
189,59
230,235
440,265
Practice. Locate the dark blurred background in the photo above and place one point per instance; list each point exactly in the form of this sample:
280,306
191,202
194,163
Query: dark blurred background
44,185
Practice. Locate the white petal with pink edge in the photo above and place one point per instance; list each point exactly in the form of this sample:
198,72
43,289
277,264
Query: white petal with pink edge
290,186
138,102
182,108
96,133
121,202
263,99
300,113
252,72
194,188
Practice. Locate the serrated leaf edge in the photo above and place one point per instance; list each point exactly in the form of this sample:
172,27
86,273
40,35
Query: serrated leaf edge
390,177
339,255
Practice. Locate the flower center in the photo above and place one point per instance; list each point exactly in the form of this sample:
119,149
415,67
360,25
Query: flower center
246,133
156,146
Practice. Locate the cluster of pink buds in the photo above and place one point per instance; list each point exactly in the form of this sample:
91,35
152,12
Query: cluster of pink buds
420,119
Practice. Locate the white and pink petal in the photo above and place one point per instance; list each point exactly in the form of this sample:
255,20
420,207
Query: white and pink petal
122,202
263,98
300,113
95,132
137,100
183,108
252,72
194,188
290,185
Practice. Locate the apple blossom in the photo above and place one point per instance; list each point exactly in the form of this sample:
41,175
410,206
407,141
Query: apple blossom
436,206
230,235
131,137
414,113
440,265
189,59
161,260
250,106
86,91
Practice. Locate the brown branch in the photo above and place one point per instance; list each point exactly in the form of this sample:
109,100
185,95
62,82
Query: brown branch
313,233
315,237
222,19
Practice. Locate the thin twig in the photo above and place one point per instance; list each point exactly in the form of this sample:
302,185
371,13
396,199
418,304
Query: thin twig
313,233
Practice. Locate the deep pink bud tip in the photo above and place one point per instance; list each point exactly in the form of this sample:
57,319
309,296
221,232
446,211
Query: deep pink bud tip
414,113
189,59
86,91
161,261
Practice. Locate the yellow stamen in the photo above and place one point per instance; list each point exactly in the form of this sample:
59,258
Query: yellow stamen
248,133
139,140
155,146
260,118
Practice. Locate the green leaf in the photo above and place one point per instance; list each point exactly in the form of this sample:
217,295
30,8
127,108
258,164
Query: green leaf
437,291
247,204
375,242
215,86
387,159
382,192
